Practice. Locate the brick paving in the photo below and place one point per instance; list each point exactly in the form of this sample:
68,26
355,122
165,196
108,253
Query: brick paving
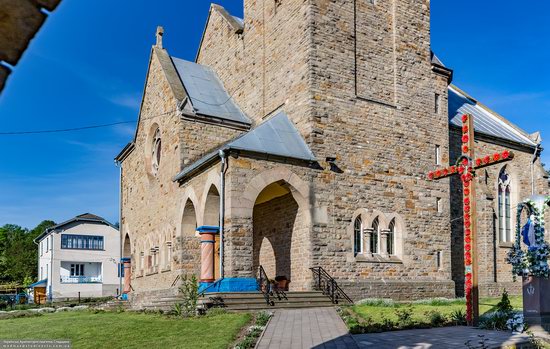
306,328
441,338
323,328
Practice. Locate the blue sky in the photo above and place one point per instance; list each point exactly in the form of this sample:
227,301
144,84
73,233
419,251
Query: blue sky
87,66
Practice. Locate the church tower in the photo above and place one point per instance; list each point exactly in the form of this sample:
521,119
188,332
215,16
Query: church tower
359,81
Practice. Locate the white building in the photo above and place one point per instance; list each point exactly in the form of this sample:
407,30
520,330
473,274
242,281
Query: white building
79,257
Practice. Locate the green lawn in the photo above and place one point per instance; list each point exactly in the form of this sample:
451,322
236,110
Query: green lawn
378,312
127,330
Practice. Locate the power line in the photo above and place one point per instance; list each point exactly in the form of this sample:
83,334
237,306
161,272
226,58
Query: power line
64,129
72,129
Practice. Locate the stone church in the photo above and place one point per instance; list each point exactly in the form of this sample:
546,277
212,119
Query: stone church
301,137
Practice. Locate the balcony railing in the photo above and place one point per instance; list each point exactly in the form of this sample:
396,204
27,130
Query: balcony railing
81,279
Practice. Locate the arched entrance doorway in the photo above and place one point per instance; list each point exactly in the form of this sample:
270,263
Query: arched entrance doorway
188,244
280,235
127,264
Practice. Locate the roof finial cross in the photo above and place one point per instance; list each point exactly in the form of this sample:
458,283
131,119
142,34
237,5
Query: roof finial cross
160,32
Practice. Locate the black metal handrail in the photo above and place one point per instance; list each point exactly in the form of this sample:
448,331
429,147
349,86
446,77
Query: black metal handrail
326,284
176,280
265,286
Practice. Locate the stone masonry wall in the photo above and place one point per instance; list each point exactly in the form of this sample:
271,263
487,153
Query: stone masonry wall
383,150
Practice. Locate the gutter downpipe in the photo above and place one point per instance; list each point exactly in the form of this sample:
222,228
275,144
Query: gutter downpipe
119,264
535,157
223,157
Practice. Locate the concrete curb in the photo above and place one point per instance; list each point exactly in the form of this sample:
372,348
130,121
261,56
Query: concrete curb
258,340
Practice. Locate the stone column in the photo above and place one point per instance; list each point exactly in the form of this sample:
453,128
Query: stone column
384,234
366,241
208,240
126,262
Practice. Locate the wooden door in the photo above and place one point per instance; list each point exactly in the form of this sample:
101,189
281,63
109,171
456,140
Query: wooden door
40,295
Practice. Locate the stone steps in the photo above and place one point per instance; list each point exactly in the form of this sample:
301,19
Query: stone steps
246,301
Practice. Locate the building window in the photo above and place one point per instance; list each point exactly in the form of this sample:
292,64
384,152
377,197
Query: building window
437,154
81,242
391,238
358,236
439,205
437,103
504,206
41,273
77,269
156,150
374,234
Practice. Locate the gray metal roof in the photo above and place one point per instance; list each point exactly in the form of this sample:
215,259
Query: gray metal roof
239,20
277,137
436,60
206,92
485,120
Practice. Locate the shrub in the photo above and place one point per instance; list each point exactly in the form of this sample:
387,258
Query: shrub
189,290
494,321
504,306
404,315
253,332
458,317
435,318
263,318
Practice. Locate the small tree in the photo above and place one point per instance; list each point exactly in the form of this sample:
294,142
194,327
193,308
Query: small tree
189,290
504,305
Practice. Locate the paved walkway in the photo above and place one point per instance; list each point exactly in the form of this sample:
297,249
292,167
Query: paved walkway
440,338
306,328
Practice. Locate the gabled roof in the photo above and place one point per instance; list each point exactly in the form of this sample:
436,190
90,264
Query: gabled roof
85,217
486,121
277,137
206,93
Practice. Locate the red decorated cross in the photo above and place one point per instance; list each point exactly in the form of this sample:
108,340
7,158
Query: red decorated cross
466,167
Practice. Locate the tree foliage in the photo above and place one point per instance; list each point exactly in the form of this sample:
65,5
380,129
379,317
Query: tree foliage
19,253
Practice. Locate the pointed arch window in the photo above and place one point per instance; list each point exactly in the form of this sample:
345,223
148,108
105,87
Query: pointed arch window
374,234
358,236
504,206
391,238
156,150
